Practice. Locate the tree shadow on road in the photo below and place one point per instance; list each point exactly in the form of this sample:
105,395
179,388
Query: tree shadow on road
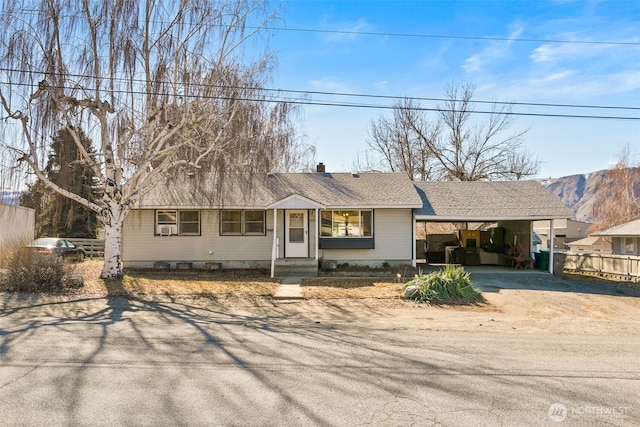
277,350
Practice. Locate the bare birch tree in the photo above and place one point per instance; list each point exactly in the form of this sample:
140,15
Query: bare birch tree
161,87
451,145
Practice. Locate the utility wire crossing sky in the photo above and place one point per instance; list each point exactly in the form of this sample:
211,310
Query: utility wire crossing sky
570,70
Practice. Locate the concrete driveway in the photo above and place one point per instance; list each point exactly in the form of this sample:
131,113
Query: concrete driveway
113,361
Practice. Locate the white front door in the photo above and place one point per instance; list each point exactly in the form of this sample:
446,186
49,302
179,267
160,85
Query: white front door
296,235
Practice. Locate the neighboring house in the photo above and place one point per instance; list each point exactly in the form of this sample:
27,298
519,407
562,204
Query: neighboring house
283,219
565,231
17,225
624,238
591,244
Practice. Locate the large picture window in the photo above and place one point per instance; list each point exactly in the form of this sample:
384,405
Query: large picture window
347,223
242,222
178,222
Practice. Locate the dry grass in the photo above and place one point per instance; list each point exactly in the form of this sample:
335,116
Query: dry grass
351,287
227,283
162,282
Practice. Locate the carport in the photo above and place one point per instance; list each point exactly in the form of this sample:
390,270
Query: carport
491,218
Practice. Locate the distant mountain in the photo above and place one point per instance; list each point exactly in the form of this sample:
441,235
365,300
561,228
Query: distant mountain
577,192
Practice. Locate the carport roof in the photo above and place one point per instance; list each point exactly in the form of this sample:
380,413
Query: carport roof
482,201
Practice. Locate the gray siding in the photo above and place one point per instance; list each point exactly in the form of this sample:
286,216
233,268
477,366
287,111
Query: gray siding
141,247
393,235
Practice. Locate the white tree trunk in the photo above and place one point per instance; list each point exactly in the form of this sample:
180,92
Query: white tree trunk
113,217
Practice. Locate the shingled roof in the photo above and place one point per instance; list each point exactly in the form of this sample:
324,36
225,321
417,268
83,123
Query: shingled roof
327,190
481,201
628,229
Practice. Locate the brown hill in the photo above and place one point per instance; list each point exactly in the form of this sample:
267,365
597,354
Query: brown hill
577,192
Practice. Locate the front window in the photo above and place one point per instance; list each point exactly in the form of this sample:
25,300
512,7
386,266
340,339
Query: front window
189,222
253,222
231,222
242,222
178,222
628,245
346,223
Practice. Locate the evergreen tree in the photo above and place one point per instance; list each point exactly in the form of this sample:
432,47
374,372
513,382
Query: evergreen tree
57,215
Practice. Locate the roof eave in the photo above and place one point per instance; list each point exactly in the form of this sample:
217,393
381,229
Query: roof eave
345,207
486,218
630,234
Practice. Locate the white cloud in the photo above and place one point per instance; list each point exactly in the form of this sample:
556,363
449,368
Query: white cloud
328,84
566,51
495,51
347,32
381,85
553,78
575,85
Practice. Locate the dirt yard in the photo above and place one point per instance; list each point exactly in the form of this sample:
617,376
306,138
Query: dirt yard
528,301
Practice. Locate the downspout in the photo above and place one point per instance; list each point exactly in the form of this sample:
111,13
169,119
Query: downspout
551,245
274,248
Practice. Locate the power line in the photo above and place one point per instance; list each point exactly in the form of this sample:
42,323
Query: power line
410,35
417,98
442,36
341,94
325,103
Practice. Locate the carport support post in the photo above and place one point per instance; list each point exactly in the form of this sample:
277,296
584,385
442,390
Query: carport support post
551,238
317,232
413,241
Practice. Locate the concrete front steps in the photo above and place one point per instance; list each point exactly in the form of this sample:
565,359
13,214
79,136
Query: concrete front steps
296,267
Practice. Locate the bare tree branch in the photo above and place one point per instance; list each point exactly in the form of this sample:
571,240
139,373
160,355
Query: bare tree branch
452,146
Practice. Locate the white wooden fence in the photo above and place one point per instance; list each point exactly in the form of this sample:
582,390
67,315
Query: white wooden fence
605,265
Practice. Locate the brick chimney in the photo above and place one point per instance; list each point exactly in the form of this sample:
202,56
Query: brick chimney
320,168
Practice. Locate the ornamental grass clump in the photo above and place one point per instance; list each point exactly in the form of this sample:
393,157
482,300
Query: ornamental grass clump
450,285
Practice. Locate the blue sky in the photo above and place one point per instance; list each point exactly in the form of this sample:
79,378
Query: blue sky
544,69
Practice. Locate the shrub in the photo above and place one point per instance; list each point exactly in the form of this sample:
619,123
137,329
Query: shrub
28,271
452,284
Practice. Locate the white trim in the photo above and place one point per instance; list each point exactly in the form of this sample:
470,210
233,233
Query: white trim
347,207
296,249
305,203
551,245
435,218
413,241
274,247
317,227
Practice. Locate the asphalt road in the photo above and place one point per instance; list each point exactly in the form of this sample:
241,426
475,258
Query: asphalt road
116,362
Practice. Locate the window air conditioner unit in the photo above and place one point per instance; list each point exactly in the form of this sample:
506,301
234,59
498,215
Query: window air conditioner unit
167,230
